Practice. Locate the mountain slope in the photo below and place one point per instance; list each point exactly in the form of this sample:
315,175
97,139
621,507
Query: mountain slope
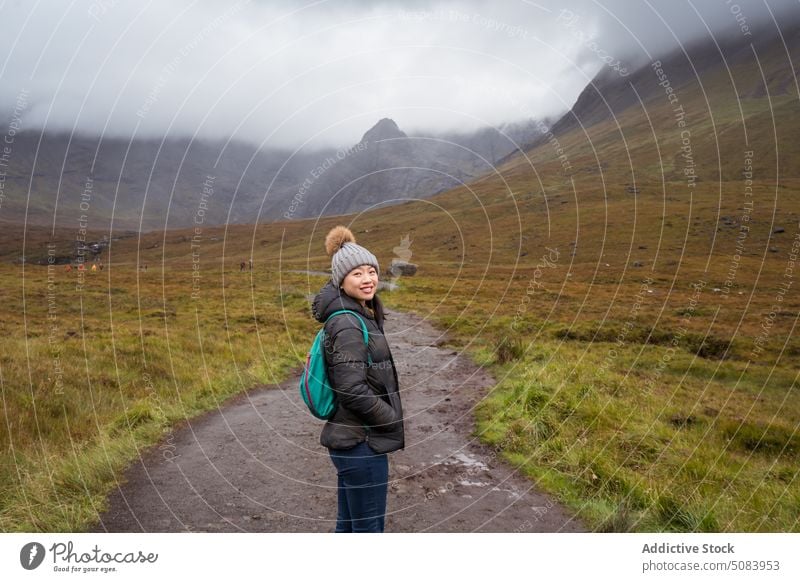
727,92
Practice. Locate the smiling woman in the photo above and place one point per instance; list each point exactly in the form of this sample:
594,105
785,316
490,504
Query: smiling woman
368,419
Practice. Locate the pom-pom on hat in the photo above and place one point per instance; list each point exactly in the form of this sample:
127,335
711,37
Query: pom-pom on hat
346,255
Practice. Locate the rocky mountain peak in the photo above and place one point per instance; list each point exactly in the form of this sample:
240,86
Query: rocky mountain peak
385,129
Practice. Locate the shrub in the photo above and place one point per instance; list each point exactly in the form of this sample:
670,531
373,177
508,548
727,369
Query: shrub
508,350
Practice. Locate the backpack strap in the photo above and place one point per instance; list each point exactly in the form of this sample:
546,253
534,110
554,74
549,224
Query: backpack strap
364,330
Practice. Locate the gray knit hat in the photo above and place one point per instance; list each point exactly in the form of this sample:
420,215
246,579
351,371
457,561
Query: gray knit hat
345,254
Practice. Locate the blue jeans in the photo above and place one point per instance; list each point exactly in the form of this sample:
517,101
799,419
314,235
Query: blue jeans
363,482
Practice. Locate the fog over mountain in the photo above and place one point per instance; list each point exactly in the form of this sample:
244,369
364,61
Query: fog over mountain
284,74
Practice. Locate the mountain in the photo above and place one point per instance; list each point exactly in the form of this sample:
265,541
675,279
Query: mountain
387,166
62,180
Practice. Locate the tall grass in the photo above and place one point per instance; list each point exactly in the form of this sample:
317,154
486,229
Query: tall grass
635,436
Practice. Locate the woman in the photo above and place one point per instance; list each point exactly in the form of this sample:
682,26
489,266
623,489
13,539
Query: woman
368,420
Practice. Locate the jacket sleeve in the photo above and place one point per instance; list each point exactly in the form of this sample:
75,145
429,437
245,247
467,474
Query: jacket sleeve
347,371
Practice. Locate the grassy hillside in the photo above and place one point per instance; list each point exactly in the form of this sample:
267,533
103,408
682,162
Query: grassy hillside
644,341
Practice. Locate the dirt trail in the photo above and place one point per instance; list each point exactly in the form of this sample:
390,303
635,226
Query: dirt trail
256,464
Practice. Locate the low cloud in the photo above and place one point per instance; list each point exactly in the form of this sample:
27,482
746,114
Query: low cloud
284,74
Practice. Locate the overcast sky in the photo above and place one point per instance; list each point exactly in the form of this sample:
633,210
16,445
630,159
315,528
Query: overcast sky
280,73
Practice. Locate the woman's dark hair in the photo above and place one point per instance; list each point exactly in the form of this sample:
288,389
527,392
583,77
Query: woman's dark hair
377,307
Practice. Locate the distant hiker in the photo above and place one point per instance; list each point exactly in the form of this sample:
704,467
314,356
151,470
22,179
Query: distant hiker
368,421
81,267
94,267
68,267
101,266
241,267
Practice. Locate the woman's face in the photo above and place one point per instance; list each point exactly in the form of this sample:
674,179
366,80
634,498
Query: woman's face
361,283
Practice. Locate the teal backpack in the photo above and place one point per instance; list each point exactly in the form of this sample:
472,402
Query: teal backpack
315,388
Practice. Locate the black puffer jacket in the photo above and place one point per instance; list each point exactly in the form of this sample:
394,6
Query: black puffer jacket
368,398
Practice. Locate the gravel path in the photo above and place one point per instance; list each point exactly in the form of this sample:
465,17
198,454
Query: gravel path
256,465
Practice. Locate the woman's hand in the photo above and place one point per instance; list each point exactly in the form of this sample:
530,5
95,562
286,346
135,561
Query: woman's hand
348,375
